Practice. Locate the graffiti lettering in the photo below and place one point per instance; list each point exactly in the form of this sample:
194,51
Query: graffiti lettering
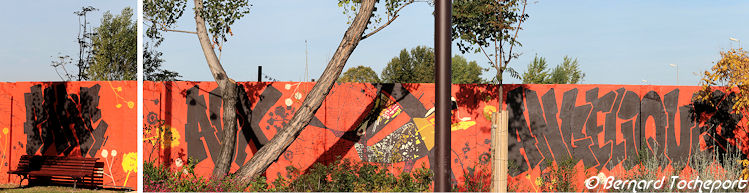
57,122
578,136
202,127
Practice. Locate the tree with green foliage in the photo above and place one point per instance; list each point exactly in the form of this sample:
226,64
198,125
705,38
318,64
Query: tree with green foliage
109,52
464,72
219,15
568,72
152,69
537,72
361,74
414,66
152,61
213,20
417,66
479,25
114,48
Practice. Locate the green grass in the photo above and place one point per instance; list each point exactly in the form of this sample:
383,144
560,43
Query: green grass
52,189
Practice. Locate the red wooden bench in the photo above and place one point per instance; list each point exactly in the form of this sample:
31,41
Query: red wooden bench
60,170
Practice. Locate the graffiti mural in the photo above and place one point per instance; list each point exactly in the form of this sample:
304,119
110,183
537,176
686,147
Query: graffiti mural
70,119
50,114
606,127
601,127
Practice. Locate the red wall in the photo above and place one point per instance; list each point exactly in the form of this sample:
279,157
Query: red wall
89,119
600,126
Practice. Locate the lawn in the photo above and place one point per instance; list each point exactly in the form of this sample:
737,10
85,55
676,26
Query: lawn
52,189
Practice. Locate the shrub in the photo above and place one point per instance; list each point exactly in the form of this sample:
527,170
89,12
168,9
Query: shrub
475,180
560,175
707,164
341,175
158,178
346,176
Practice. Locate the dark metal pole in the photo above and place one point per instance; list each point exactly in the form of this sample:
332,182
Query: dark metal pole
259,73
442,33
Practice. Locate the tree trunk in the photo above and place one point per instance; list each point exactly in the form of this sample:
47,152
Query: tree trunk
271,151
228,95
500,97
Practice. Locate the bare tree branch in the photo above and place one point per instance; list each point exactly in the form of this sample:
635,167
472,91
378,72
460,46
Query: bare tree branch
164,28
512,44
493,63
182,31
395,15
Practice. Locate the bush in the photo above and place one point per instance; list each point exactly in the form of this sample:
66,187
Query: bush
708,165
158,178
475,180
338,176
345,176
560,175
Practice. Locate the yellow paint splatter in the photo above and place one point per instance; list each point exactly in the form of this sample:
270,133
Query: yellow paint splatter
463,125
488,110
170,137
118,105
130,104
174,141
5,131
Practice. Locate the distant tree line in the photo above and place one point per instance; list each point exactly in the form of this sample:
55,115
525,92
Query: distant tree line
417,66
568,72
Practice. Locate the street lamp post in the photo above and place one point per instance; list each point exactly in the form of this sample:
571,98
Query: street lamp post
442,53
677,72
736,40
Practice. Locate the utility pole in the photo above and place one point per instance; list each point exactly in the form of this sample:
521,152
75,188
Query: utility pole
677,72
306,62
442,41
260,73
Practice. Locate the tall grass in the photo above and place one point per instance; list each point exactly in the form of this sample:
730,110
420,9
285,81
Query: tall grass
708,165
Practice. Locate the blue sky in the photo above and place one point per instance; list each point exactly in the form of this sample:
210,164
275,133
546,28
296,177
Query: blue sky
616,42
35,31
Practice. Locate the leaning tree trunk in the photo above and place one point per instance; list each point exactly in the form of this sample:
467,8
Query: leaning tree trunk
228,95
273,149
